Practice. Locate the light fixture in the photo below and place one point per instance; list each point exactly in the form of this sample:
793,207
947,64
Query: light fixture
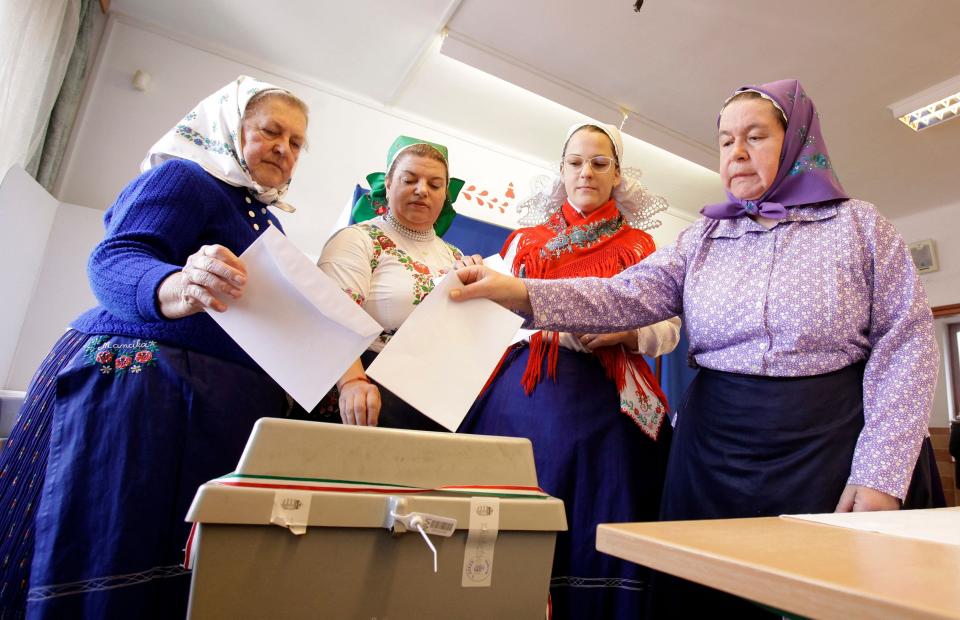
930,107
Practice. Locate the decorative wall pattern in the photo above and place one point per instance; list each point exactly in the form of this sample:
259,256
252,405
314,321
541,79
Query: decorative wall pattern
482,197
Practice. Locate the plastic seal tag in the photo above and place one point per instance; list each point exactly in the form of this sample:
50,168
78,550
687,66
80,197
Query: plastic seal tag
429,523
419,522
291,510
435,524
481,540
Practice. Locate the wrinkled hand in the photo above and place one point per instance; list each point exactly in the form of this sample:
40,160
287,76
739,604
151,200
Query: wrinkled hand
359,403
856,498
466,261
212,269
483,282
594,341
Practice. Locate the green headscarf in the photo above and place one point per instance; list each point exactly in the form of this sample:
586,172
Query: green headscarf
375,203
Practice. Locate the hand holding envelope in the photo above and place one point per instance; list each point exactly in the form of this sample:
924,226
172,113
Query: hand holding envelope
294,320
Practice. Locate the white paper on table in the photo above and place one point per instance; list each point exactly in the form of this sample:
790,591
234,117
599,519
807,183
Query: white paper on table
940,525
295,321
496,262
444,352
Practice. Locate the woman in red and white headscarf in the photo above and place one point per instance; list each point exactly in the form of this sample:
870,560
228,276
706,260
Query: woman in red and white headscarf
588,402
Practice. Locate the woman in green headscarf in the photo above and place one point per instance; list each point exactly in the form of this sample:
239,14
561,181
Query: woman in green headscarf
386,263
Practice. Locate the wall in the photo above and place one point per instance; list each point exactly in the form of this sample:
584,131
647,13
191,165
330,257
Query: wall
446,102
27,214
62,290
943,226
942,286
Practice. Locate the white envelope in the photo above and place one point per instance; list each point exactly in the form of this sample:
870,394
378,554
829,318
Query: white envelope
440,358
295,321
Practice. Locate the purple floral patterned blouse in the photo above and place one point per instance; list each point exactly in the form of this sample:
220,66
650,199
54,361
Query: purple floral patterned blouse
825,287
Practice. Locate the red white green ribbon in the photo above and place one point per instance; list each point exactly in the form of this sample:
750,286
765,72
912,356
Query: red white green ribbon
356,486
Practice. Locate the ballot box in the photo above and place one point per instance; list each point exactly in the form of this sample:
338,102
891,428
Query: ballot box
330,521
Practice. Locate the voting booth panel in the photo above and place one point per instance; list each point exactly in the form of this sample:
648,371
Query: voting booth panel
330,521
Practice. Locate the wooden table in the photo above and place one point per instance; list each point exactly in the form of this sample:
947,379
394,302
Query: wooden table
805,568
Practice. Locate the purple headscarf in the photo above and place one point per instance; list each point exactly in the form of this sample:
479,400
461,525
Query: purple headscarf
805,175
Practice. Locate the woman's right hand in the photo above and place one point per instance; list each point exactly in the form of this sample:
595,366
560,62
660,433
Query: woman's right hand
359,402
212,269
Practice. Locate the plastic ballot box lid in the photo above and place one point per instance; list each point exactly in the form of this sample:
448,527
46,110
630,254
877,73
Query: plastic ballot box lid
324,521
310,449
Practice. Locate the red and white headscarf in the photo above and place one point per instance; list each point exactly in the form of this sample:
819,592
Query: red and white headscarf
638,206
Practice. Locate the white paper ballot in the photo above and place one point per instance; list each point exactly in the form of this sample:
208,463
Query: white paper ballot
496,262
295,321
940,525
444,352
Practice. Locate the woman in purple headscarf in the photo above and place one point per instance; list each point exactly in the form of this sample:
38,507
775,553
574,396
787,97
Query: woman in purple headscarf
807,320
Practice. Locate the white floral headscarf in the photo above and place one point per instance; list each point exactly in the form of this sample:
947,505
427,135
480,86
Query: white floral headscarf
210,136
637,205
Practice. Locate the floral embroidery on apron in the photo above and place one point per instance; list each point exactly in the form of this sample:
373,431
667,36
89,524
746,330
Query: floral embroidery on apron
119,358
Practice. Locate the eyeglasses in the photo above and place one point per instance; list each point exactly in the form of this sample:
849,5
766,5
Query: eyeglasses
598,164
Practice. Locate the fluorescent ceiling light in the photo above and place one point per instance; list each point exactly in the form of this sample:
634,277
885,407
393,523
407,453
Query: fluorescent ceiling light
930,107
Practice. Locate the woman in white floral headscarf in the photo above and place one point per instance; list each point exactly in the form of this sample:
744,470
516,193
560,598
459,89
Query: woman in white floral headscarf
145,397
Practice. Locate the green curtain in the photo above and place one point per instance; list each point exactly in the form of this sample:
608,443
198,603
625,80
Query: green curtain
46,161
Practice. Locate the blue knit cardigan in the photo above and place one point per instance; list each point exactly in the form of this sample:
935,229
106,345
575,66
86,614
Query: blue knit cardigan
160,219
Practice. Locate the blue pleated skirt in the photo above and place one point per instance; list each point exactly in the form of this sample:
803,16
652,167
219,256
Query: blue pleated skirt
134,427
594,458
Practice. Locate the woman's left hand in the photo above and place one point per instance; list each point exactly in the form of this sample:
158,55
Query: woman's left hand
595,341
856,498
466,261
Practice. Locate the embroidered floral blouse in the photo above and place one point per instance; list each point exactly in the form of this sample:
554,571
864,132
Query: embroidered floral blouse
824,288
385,272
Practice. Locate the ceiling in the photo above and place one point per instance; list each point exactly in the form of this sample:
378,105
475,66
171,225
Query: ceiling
670,65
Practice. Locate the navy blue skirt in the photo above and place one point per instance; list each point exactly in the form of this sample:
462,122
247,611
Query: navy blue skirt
594,458
133,427
748,446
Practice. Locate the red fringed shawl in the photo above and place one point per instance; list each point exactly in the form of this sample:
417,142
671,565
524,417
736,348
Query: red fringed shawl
600,244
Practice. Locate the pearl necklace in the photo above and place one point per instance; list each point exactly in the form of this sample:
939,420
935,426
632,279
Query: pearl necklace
409,233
